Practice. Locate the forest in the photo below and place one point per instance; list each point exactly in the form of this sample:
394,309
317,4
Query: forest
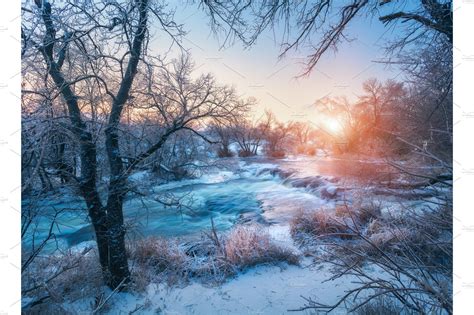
150,186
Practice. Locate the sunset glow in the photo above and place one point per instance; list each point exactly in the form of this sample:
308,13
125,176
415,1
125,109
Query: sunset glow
333,125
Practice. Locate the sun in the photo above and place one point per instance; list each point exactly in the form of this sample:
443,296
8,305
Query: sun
333,125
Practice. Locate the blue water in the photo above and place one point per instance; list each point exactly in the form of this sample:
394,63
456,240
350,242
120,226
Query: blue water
225,197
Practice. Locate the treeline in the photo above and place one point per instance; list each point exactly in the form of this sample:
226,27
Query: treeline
265,135
389,119
162,128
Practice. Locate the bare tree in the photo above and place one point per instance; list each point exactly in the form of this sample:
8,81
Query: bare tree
225,136
83,58
301,133
276,136
379,98
60,30
322,25
249,134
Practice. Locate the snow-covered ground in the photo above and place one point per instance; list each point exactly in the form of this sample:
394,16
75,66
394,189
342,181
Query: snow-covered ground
262,290
265,289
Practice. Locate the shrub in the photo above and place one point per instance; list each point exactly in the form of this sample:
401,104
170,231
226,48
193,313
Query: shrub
245,153
342,211
311,151
248,246
300,149
277,154
414,253
161,254
317,224
213,258
157,260
223,153
363,213
369,211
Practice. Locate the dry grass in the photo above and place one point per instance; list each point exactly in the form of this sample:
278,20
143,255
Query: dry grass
342,211
317,224
156,259
361,210
249,246
54,279
160,254
308,227
211,259
387,240
414,250
368,211
340,222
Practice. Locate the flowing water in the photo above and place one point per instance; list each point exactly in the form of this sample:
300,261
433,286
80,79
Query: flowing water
254,191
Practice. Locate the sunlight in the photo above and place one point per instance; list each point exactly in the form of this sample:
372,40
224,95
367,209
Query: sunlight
333,125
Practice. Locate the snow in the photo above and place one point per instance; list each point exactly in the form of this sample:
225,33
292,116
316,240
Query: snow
261,290
81,247
280,233
331,190
139,176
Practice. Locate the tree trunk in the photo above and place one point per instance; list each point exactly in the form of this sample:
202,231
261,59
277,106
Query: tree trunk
98,217
118,264
108,220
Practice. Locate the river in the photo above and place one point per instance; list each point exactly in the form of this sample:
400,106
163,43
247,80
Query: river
248,190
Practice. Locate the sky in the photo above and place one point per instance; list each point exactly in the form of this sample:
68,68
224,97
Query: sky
258,72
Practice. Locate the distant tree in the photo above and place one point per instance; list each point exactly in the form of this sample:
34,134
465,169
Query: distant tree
427,112
377,98
249,134
301,133
224,134
276,136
